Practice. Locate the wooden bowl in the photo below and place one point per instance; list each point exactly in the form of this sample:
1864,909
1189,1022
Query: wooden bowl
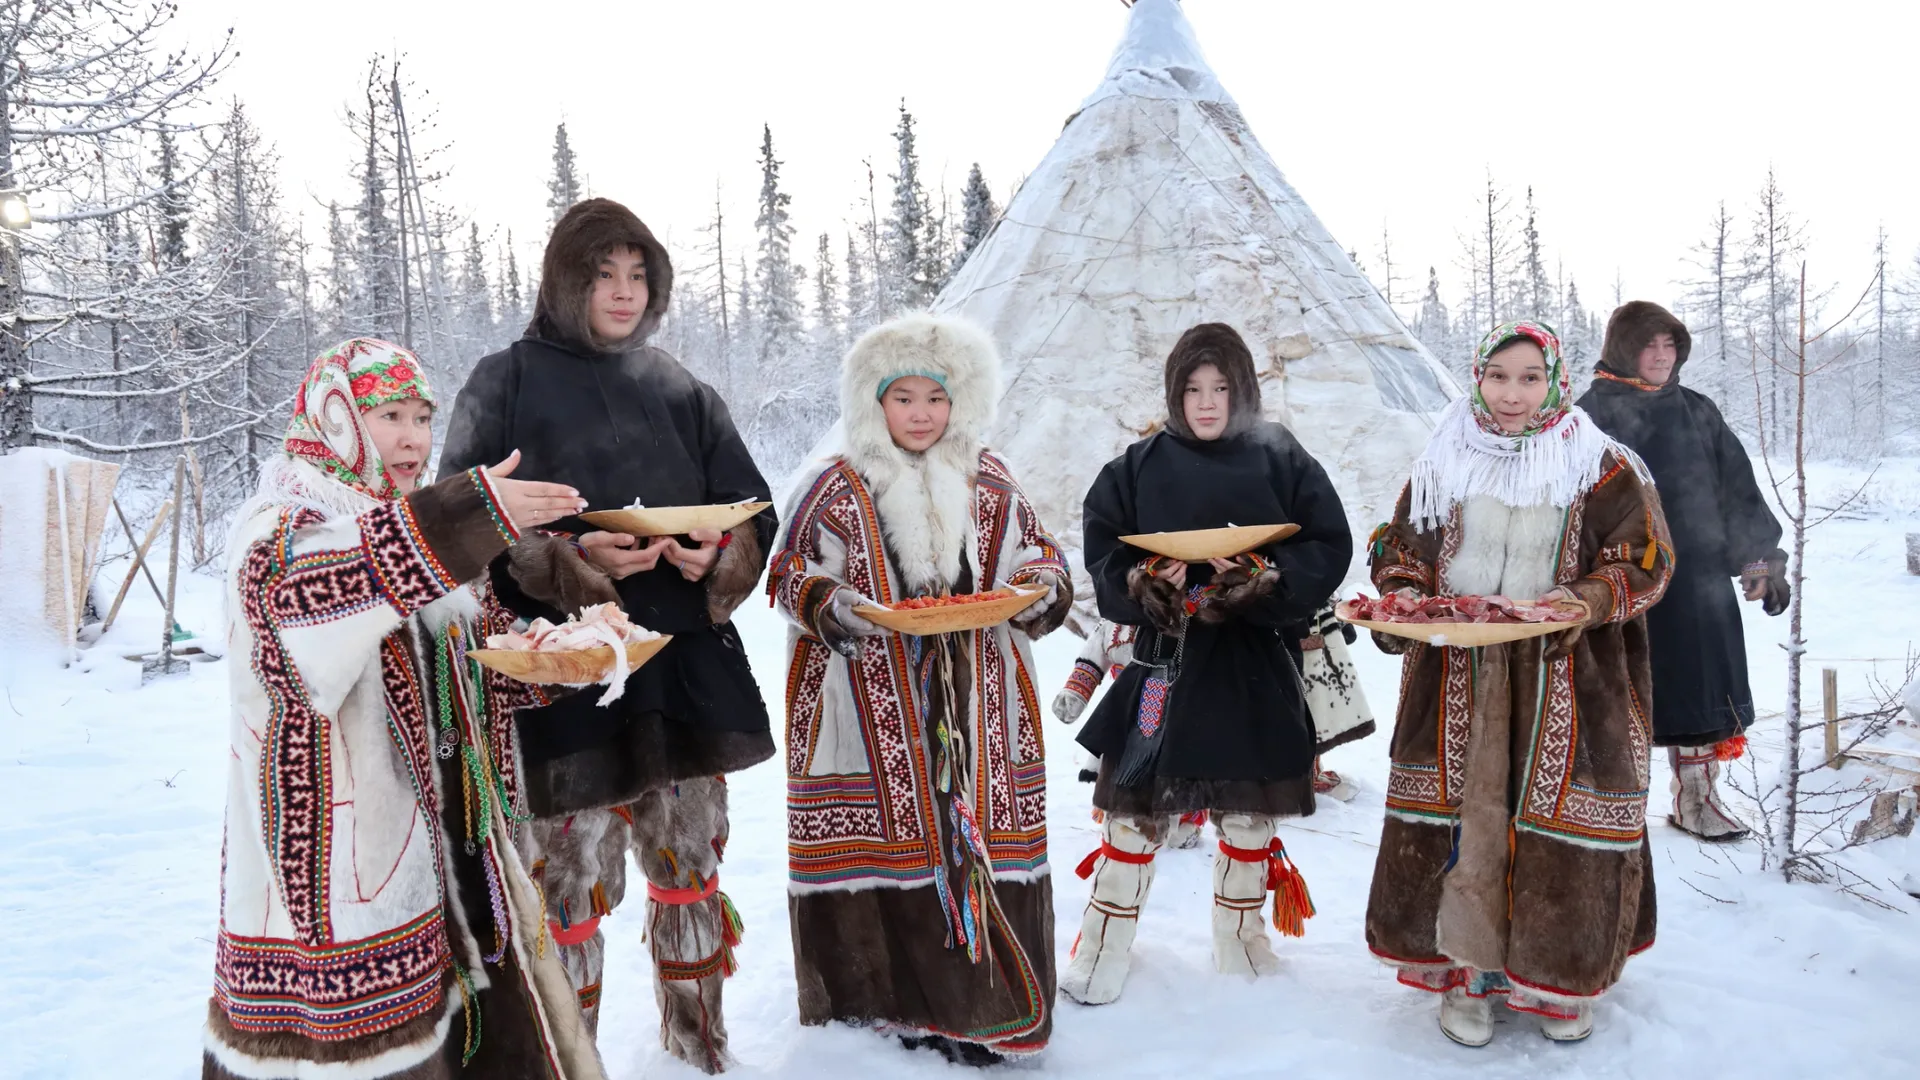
576,667
1462,635
1199,545
925,622
673,520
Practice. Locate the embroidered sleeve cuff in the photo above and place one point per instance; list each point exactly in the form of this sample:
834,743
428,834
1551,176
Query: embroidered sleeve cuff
457,526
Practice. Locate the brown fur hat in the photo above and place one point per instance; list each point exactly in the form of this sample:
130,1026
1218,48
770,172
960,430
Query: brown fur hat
1222,346
586,234
1631,326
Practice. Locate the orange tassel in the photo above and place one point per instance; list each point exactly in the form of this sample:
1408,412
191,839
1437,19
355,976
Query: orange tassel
1730,749
1292,903
599,899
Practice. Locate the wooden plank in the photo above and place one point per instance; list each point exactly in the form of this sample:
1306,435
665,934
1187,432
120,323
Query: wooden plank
139,560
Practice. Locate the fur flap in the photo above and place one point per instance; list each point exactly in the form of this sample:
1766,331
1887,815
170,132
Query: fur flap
1223,347
1631,326
735,575
582,237
547,569
237,1055
925,501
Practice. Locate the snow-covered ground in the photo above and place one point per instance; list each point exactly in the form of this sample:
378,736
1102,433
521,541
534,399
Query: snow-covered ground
110,803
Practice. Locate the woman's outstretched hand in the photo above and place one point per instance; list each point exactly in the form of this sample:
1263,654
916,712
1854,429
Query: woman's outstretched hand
531,503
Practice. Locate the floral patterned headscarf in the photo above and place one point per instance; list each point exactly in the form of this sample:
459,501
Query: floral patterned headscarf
1552,461
345,381
1559,389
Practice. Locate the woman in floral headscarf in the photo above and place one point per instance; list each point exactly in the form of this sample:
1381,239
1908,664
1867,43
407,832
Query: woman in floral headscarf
1514,857
375,921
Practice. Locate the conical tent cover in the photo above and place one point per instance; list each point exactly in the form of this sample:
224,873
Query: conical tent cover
1157,209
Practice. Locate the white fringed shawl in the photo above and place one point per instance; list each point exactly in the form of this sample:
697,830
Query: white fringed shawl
1552,466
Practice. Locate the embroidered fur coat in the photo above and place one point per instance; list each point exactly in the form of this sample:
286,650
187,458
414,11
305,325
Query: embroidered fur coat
1515,837
916,766
372,903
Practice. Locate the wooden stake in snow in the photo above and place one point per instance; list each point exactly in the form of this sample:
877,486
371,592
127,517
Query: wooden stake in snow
165,664
1913,553
1830,692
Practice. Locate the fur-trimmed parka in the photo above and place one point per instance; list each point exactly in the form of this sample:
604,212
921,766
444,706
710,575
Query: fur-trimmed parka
874,836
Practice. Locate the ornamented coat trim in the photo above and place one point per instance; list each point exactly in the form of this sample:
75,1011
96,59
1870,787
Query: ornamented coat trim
1551,803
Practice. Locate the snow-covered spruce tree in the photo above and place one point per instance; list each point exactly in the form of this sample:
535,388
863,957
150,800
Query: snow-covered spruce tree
563,187
337,290
977,215
859,290
1432,324
85,85
904,231
777,285
374,301
1577,342
829,324
475,332
1534,293
512,303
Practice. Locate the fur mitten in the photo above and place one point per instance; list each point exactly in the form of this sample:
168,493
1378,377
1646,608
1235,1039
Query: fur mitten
1047,615
735,574
1241,590
840,626
1159,598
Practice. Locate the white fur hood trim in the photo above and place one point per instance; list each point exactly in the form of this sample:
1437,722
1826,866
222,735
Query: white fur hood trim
925,501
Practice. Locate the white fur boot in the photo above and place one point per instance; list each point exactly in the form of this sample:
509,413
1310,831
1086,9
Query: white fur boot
1466,1019
1697,808
1097,966
1569,1028
1240,943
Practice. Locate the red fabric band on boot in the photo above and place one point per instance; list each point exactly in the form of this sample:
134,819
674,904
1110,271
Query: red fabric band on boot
692,894
576,934
1249,854
1085,869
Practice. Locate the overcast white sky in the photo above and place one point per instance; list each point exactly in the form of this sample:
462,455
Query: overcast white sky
1630,119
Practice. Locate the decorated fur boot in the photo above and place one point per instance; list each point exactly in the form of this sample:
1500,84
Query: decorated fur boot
1466,1019
580,865
1122,871
1697,808
679,835
1240,877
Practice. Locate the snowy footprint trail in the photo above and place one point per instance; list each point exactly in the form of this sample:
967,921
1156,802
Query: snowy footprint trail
110,812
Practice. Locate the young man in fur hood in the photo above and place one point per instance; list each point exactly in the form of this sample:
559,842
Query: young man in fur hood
1722,530
588,402
916,775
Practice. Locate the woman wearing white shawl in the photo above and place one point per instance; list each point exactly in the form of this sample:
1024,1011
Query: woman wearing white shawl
1514,858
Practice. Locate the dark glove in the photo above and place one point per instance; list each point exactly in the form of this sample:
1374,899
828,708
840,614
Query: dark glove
1159,598
1779,590
1241,590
